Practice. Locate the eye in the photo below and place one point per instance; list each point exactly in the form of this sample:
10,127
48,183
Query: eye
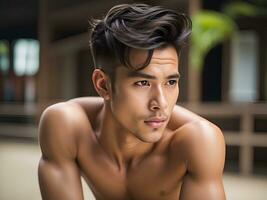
142,83
172,82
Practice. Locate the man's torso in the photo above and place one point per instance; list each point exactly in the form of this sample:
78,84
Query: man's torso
158,175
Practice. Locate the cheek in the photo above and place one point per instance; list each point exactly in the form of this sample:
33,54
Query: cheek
129,107
126,102
128,112
176,95
173,97
131,97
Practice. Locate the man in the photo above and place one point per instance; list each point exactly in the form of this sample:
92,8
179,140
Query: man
133,142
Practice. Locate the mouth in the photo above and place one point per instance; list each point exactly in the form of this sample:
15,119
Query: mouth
155,122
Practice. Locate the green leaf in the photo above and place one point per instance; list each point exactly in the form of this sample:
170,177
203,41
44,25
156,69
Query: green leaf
209,29
237,9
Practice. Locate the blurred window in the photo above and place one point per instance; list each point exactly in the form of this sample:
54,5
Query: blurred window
26,57
244,71
4,56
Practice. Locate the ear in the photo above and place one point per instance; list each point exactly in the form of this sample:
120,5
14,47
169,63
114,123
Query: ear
100,81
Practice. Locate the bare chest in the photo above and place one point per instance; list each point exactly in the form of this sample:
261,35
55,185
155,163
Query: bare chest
156,177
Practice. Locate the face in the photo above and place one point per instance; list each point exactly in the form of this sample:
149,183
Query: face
143,100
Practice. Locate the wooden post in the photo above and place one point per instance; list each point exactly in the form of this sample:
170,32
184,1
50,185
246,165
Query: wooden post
194,75
44,37
246,149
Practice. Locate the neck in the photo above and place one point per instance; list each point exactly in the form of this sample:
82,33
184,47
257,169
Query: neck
120,144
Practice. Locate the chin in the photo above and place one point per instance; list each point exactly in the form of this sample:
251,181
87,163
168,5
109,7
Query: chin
152,137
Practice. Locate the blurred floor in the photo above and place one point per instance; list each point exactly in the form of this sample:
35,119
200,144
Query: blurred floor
18,175
18,170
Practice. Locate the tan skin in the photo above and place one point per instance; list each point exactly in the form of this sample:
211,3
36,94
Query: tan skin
134,142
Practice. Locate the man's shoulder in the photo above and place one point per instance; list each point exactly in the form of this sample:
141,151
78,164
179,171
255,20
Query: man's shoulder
181,116
87,102
200,130
201,142
73,109
91,106
62,124
200,145
185,122
62,112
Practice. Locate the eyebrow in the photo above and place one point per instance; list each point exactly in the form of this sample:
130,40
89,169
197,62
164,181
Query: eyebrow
138,74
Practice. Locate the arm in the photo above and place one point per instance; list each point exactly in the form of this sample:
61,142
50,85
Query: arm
205,161
59,176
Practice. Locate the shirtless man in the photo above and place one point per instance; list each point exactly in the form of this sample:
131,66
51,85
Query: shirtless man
132,142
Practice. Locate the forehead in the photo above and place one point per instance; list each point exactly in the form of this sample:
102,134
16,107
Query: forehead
163,60
166,55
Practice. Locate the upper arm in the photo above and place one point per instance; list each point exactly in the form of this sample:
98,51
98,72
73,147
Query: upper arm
59,176
205,155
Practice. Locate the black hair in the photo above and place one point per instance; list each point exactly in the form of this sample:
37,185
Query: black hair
135,26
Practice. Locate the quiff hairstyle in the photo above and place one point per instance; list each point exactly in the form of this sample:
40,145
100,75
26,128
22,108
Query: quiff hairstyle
135,26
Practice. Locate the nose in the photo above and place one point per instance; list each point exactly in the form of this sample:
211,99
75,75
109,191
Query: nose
158,101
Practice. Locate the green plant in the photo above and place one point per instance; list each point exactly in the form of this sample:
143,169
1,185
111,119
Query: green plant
239,8
209,29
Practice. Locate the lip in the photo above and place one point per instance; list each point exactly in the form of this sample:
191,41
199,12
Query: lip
155,122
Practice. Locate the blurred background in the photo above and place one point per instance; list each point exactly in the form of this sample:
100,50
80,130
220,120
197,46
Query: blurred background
44,59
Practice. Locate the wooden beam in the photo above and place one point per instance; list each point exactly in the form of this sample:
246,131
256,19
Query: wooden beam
194,75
